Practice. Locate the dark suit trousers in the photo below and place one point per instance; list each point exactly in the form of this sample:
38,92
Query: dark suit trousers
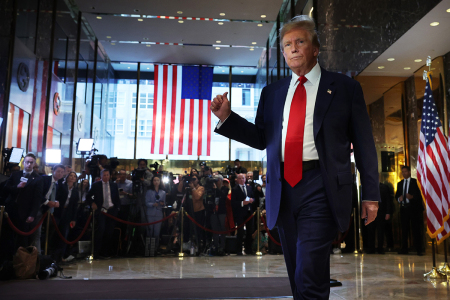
377,229
414,220
249,229
307,229
104,233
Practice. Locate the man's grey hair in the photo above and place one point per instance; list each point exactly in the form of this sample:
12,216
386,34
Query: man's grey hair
301,22
220,177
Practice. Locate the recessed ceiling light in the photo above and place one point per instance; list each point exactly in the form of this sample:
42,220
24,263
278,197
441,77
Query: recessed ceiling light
148,68
260,25
179,12
128,67
217,48
381,67
391,59
223,71
417,60
140,20
222,14
113,44
263,16
98,17
108,37
218,42
220,23
448,10
181,21
407,68
434,24
251,49
253,43
148,45
242,71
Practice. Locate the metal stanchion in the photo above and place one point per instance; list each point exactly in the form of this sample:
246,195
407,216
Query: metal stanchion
91,257
258,222
354,227
434,273
181,253
445,269
47,231
2,210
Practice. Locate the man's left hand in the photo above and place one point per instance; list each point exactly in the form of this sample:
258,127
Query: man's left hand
409,196
369,211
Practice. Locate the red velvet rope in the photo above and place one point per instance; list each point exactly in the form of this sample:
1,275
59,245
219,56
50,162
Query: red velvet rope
219,232
25,233
78,238
138,224
268,232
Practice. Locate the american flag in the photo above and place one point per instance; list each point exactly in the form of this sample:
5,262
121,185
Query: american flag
433,167
17,134
181,115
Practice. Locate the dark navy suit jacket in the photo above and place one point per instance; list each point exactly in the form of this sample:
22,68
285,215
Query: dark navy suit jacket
340,119
95,194
237,197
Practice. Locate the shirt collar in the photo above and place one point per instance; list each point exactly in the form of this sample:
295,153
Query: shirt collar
313,76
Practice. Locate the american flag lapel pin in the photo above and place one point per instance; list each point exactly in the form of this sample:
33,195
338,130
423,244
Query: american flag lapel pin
329,91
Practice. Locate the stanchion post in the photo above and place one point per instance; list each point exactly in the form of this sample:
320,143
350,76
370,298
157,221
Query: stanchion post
258,222
445,269
354,227
91,257
181,253
434,273
2,210
47,231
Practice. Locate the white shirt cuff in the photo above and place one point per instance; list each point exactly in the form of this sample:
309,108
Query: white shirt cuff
45,203
220,122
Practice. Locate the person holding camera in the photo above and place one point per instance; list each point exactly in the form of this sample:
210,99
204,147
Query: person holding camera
197,194
155,200
241,201
219,214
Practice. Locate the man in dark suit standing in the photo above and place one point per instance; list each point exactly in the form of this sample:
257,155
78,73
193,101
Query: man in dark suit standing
241,202
24,190
239,169
411,211
307,123
104,197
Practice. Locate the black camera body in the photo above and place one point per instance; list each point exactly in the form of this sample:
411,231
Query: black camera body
230,171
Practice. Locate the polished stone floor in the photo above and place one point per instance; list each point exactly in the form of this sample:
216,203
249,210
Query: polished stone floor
374,276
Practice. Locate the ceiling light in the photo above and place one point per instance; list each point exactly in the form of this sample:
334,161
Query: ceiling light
179,12
242,71
223,71
434,24
253,43
417,60
222,14
140,20
220,23
218,42
98,17
391,59
260,25
263,16
108,37
407,68
381,67
448,10
148,68
148,45
217,48
113,44
181,21
251,49
128,67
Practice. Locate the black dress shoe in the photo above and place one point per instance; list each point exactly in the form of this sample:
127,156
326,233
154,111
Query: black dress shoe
419,253
380,251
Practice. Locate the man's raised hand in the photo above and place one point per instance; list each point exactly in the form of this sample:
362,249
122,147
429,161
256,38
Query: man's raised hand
220,106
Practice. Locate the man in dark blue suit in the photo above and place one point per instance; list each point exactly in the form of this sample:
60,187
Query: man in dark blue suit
241,202
307,123
104,196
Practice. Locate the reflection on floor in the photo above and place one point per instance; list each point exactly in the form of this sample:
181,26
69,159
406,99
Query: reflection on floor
363,276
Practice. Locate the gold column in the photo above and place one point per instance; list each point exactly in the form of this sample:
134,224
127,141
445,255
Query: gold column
91,257
46,232
258,222
181,253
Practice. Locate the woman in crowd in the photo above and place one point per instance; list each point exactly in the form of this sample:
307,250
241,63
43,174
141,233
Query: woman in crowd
155,199
197,194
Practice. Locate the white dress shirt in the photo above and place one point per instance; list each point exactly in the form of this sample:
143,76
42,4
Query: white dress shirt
107,202
311,87
405,189
47,196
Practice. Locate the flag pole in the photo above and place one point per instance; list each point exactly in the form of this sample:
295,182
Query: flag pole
446,268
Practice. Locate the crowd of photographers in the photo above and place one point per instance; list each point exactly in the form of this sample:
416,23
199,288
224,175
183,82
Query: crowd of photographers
216,202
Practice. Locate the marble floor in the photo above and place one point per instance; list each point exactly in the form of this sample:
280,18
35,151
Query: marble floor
374,276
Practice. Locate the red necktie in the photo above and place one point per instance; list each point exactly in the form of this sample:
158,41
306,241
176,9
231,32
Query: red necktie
293,147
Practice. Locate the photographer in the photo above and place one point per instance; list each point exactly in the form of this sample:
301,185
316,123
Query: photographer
146,179
219,214
197,194
239,169
155,200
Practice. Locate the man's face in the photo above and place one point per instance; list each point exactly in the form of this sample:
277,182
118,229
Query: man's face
106,176
240,179
28,164
36,168
298,50
142,165
263,178
122,176
207,173
406,173
250,176
58,173
237,164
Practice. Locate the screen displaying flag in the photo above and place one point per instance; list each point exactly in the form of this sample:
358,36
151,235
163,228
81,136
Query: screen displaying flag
433,166
181,115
